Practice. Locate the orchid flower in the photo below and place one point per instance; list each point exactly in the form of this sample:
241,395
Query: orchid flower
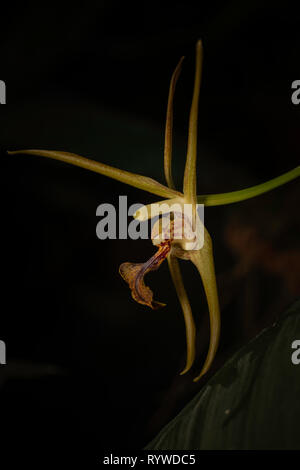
170,246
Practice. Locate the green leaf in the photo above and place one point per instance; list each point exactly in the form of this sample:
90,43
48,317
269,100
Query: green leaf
252,402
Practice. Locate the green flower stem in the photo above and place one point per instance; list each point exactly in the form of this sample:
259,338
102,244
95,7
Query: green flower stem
248,193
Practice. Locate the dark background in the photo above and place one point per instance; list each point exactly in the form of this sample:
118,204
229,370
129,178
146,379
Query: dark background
88,370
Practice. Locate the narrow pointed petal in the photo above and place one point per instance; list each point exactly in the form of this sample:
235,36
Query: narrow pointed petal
134,273
169,127
248,193
189,183
187,312
204,262
138,181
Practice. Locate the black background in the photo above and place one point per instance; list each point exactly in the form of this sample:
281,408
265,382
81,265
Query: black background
87,368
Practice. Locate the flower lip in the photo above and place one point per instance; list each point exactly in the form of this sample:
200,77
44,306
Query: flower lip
134,273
